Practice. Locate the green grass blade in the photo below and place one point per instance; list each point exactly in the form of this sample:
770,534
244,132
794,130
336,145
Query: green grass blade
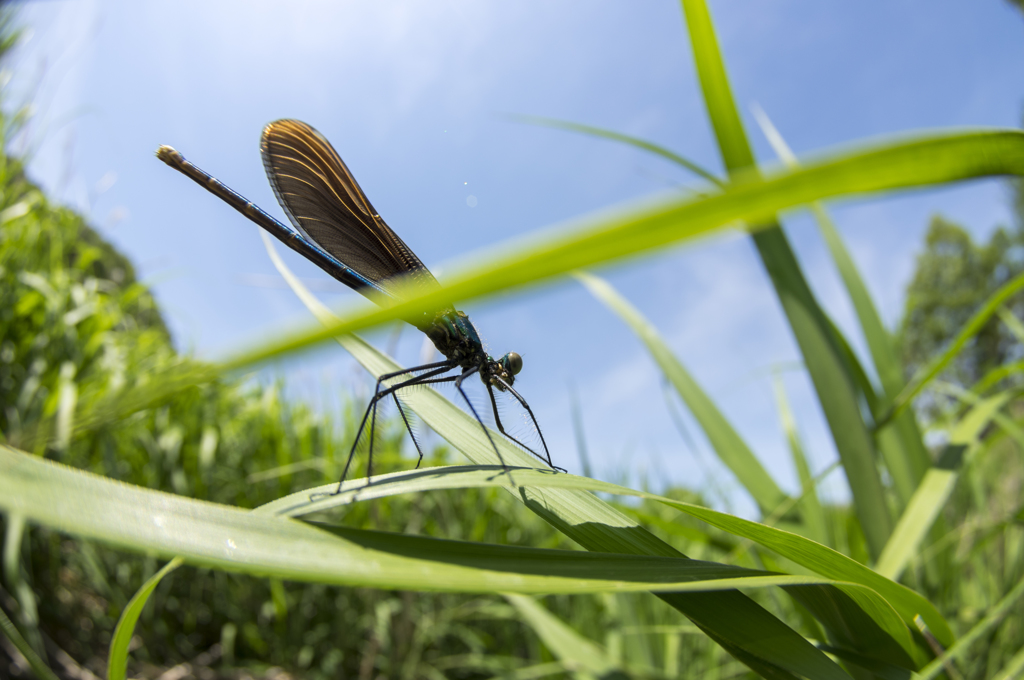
689,533
997,374
625,139
992,618
862,384
576,652
1014,668
901,445
883,354
117,657
38,666
813,556
835,384
212,535
24,595
627,232
818,341
726,442
207,534
926,160
714,83
1012,323
916,520
933,492
811,512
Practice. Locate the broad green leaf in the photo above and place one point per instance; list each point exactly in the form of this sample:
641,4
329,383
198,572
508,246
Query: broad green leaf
822,352
260,542
726,442
813,556
117,656
686,532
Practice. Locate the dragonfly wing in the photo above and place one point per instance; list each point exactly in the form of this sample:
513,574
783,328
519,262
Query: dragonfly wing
325,203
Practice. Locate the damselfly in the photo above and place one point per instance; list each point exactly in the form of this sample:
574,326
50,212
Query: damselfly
337,229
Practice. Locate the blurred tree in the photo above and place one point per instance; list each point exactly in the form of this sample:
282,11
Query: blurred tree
953,278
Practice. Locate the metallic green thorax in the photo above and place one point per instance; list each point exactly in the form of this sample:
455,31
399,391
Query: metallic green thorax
454,336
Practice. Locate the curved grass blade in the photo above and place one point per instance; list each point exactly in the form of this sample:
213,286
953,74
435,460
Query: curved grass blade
902,164
643,144
258,542
726,442
1012,323
813,556
822,352
207,534
117,655
897,165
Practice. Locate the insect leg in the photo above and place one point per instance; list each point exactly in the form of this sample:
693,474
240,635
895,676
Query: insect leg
379,394
408,427
458,385
532,417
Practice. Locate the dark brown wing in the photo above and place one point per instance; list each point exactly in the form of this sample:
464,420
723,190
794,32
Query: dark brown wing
324,201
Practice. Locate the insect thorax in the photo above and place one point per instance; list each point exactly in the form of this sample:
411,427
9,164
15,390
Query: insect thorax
454,336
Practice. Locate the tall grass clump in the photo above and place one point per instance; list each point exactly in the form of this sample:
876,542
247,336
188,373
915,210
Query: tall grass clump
121,454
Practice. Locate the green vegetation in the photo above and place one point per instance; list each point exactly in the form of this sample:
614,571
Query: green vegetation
213,471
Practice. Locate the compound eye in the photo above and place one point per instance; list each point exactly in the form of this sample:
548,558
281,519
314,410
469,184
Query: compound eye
514,362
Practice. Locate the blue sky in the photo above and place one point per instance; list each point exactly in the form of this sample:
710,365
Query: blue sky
415,96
